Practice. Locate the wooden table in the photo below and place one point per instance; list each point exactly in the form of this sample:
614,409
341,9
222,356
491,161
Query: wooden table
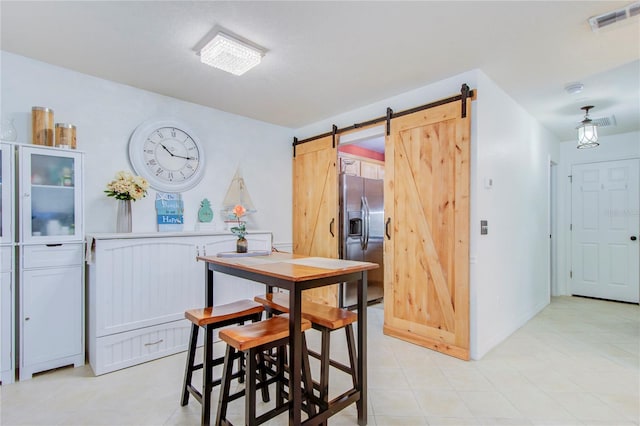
297,273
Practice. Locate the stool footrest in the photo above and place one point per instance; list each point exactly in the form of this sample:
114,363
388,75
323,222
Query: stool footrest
336,405
272,413
333,363
215,362
194,392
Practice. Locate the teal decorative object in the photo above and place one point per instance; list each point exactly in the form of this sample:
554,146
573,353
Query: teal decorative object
205,214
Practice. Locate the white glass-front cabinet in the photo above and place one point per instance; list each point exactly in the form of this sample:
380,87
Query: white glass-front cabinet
7,262
51,192
51,256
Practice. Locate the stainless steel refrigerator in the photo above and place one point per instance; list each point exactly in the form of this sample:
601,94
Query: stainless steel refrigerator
362,233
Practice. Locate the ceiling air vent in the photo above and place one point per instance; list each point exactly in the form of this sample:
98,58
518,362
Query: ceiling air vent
604,121
614,16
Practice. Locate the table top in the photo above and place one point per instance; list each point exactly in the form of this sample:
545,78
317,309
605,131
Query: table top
292,267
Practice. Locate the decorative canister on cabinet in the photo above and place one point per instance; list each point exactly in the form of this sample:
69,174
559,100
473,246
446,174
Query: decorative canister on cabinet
65,135
42,125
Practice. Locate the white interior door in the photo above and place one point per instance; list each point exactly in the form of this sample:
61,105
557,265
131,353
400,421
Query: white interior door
605,226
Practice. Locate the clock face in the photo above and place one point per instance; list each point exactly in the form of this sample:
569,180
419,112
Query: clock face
167,154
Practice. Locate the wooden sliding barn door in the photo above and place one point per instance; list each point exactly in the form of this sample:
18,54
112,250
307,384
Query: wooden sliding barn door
315,207
426,297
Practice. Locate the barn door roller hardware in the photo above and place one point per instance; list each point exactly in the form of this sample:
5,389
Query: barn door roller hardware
389,117
333,138
465,93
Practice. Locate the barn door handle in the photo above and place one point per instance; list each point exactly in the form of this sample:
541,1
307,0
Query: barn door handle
333,220
386,228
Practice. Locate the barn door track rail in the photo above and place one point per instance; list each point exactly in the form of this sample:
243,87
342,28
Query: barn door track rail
465,93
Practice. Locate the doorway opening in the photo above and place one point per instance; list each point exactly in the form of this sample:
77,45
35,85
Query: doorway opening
361,208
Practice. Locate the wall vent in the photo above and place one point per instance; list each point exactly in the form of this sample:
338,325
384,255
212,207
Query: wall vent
614,16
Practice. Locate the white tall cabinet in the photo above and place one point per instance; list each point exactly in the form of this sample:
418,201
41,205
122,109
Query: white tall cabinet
140,285
50,310
7,263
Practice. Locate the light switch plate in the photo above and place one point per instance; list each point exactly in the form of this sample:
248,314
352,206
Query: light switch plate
484,227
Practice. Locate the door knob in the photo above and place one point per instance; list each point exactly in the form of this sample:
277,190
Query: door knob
633,238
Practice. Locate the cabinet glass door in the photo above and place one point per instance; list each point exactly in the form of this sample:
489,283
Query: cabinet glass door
51,195
6,183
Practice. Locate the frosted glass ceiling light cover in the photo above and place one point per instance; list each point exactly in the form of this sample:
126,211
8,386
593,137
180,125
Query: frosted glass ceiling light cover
587,131
230,55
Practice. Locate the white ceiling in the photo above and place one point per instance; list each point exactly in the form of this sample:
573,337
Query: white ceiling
325,58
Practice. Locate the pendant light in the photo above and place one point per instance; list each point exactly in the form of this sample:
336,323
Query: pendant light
587,131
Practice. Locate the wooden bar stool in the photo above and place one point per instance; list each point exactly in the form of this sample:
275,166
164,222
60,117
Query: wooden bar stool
253,339
210,319
325,319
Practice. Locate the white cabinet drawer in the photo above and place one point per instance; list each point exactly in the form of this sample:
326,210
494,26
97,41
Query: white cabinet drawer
123,350
52,255
6,259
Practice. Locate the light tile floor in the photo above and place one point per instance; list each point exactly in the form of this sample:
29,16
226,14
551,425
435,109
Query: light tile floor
576,363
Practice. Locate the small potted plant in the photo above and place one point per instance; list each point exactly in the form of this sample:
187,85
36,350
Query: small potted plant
240,230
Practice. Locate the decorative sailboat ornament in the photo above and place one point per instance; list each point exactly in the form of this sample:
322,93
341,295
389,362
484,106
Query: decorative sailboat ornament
237,194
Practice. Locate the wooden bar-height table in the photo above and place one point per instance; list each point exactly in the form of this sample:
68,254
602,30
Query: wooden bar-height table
297,273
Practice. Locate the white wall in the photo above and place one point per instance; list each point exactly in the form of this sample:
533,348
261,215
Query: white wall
617,147
510,278
106,113
510,265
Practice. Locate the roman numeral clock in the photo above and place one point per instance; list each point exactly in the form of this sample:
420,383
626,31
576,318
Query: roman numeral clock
168,154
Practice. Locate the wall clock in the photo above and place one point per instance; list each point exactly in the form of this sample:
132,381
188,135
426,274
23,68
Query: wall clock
168,154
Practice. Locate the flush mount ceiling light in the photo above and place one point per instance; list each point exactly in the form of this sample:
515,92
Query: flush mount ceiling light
587,131
230,54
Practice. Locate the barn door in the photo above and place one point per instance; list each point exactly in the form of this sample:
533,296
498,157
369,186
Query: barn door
426,297
315,207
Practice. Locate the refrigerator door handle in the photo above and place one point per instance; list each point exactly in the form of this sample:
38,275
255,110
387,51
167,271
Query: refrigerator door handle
367,222
363,215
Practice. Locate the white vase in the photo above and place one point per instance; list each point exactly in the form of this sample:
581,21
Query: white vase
123,216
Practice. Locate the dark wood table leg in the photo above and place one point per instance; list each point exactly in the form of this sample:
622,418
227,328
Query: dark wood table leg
208,290
362,349
207,376
295,355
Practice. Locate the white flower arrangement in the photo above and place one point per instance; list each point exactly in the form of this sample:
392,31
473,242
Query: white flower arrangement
126,186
